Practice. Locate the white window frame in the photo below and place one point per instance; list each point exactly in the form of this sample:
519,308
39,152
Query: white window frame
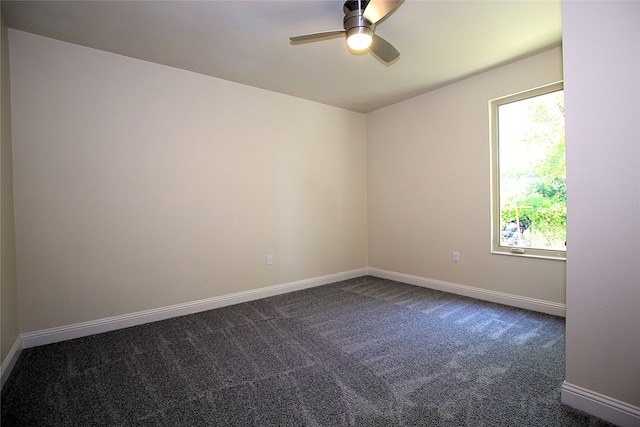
496,226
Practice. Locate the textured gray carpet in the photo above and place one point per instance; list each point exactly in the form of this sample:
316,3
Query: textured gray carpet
364,352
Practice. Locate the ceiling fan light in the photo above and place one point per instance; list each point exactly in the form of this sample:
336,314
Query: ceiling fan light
359,41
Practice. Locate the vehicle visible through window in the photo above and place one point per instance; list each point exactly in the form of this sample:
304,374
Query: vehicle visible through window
529,195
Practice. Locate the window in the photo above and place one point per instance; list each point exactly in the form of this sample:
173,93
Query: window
529,210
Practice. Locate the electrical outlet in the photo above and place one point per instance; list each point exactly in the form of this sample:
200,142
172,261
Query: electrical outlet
456,256
269,260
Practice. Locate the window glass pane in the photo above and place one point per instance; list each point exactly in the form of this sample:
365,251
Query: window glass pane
532,172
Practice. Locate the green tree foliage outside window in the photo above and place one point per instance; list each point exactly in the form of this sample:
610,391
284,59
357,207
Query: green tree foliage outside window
532,167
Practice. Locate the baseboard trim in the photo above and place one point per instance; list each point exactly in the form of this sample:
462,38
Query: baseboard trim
10,361
601,406
533,304
63,333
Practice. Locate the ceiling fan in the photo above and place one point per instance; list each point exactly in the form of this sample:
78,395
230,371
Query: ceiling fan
360,18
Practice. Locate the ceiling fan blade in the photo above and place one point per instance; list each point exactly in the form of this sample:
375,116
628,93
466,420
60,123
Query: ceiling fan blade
378,9
383,49
316,36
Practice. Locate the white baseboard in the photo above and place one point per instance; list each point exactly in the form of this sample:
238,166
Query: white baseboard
533,304
9,362
601,406
63,333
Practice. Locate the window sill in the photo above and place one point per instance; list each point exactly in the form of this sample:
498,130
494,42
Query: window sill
531,253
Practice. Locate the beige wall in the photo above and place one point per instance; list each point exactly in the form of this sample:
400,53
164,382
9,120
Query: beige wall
140,186
429,186
8,282
602,101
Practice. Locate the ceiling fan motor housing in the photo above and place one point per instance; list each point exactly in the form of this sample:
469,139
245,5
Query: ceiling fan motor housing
351,5
354,21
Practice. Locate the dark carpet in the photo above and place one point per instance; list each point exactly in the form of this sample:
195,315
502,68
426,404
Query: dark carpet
363,352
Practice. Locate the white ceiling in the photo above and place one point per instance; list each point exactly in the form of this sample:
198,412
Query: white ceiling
248,41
